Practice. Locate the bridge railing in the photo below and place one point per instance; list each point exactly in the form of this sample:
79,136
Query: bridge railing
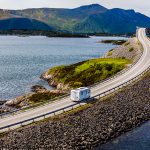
59,111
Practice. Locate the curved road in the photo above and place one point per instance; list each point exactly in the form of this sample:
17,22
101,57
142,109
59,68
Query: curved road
138,68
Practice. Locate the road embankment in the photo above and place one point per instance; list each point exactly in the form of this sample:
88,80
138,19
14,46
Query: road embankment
130,50
87,129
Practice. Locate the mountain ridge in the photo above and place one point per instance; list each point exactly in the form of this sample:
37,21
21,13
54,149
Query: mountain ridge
92,18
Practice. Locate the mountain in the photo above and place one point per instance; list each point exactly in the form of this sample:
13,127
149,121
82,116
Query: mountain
85,19
114,21
91,9
60,18
23,24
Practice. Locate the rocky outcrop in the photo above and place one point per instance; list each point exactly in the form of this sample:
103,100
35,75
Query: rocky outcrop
38,89
18,102
4,109
50,78
3,102
131,50
114,42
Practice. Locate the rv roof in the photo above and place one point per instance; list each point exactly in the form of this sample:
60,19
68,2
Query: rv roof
80,89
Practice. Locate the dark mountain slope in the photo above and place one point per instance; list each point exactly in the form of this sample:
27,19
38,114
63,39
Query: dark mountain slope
23,24
115,21
91,9
61,18
85,19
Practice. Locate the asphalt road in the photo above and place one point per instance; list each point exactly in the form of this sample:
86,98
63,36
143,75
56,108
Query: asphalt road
138,68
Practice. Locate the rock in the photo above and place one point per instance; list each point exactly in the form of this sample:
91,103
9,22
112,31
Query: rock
123,51
2,102
57,91
61,86
38,89
46,76
4,109
17,102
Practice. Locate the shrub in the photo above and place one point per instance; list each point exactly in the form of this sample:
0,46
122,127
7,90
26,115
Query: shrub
77,84
40,97
109,53
131,49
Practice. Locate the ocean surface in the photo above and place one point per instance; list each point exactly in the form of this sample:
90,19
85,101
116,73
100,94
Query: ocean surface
138,139
24,59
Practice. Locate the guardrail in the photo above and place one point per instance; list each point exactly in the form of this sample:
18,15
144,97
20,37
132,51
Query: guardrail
59,111
64,96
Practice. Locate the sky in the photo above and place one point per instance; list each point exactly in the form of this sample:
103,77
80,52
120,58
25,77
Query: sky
142,6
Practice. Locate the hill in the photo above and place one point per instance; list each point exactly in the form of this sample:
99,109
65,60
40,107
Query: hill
114,21
60,18
85,19
23,24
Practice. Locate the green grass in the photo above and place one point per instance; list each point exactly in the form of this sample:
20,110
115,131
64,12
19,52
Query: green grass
43,97
110,52
88,72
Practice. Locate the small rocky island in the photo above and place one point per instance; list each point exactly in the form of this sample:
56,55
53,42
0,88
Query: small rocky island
114,42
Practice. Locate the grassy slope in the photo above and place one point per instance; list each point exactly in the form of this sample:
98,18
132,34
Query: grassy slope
88,72
43,97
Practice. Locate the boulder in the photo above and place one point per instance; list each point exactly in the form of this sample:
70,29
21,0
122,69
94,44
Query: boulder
38,89
17,101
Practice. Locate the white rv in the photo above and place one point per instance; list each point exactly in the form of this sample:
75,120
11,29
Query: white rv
80,94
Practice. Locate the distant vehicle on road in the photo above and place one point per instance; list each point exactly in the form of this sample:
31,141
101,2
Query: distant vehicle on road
80,94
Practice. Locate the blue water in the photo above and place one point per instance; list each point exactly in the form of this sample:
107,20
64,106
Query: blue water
23,59
138,139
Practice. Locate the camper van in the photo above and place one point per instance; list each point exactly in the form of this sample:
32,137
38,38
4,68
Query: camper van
80,94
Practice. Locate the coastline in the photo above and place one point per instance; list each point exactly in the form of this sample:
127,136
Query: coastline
91,127
24,33
25,100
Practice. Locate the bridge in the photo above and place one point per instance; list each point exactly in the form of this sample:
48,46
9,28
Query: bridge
123,79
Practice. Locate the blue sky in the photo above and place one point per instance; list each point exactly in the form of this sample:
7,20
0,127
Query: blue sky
142,6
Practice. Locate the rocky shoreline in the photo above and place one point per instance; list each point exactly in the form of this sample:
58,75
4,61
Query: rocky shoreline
119,52
38,94
89,128
123,51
